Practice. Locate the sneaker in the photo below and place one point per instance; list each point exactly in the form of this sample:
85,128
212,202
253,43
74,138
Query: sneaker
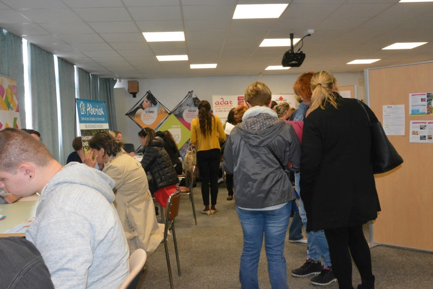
325,277
303,241
309,268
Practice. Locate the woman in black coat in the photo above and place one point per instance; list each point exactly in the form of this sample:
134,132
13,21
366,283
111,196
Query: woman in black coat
337,184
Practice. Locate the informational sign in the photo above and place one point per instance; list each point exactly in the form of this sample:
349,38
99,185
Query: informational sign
187,109
393,119
9,107
180,133
421,131
92,117
148,112
420,103
222,104
289,98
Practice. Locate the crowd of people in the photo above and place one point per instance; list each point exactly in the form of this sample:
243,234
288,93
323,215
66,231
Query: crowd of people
98,208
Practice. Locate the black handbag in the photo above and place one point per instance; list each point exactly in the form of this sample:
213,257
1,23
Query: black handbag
384,156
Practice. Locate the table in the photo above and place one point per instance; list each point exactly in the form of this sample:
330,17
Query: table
16,214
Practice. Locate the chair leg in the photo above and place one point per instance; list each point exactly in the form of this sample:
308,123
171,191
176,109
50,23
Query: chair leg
167,256
175,250
191,198
162,210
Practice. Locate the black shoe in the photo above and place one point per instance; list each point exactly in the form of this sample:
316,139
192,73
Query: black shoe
367,284
309,268
325,277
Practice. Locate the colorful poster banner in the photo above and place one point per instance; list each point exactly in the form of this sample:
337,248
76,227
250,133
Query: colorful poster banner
181,134
420,103
421,131
222,104
92,117
148,112
187,109
289,98
9,107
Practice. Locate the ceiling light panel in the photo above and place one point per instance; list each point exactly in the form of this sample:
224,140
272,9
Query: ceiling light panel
276,67
414,1
203,66
164,36
172,57
363,61
259,11
278,42
404,45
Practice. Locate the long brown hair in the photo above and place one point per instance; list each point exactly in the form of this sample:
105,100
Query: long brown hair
205,117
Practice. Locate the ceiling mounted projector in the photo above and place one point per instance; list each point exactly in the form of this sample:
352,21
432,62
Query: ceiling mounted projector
292,58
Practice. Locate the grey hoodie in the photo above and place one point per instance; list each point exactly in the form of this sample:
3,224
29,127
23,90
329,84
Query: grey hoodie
78,232
259,179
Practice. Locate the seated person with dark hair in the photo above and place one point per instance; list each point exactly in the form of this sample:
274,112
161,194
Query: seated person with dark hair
33,133
76,229
171,148
78,154
156,161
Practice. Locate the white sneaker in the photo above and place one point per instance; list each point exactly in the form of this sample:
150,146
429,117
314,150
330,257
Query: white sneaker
303,241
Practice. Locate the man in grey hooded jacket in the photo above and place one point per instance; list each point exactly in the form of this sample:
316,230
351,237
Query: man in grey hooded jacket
76,229
255,154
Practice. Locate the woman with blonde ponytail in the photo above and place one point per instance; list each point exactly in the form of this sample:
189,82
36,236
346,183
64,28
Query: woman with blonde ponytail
337,183
206,134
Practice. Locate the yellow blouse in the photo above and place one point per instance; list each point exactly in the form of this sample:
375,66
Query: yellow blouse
210,141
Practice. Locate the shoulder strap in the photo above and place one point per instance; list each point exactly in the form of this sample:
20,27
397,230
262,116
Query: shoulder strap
362,105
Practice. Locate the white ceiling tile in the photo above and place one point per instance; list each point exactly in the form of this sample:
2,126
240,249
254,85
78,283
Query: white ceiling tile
123,37
91,46
103,14
202,12
229,3
204,25
81,38
51,15
105,53
4,6
135,3
21,29
29,4
93,3
37,39
11,16
114,27
124,48
67,28
160,26
161,13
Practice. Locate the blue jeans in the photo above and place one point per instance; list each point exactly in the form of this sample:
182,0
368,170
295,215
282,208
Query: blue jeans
295,229
273,226
317,244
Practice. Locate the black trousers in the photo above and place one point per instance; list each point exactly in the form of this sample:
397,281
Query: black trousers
208,165
229,184
344,243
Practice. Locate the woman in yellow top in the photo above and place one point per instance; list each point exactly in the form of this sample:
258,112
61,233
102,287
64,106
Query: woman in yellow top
206,134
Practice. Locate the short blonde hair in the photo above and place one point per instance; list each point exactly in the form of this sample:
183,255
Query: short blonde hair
281,108
258,94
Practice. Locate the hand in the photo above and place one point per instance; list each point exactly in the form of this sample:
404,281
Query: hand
89,159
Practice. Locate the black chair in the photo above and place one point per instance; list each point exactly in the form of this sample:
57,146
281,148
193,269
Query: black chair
188,190
129,147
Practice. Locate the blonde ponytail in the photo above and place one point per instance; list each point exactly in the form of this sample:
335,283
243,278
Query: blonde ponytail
323,85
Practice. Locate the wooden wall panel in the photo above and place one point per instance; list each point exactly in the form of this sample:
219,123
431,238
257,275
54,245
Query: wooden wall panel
406,193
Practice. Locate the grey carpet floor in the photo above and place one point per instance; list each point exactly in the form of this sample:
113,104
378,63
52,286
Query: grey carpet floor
210,252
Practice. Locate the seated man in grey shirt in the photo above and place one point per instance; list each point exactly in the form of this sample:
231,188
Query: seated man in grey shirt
76,229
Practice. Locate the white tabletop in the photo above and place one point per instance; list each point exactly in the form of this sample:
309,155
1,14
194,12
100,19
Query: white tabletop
17,213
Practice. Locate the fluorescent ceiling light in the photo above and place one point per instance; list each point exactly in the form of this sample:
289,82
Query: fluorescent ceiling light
414,1
202,66
259,11
404,45
363,61
164,36
172,57
276,42
276,67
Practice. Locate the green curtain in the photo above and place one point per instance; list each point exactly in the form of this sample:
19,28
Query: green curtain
106,94
11,65
84,87
94,89
44,103
67,108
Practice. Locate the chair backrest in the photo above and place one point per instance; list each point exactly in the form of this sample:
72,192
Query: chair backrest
191,176
129,147
136,264
173,205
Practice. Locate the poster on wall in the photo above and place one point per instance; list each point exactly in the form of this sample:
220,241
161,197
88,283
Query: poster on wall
289,98
9,106
420,103
222,104
148,112
421,131
393,119
180,133
92,117
187,109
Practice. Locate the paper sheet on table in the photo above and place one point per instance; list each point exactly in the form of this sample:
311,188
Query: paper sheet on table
21,228
29,198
